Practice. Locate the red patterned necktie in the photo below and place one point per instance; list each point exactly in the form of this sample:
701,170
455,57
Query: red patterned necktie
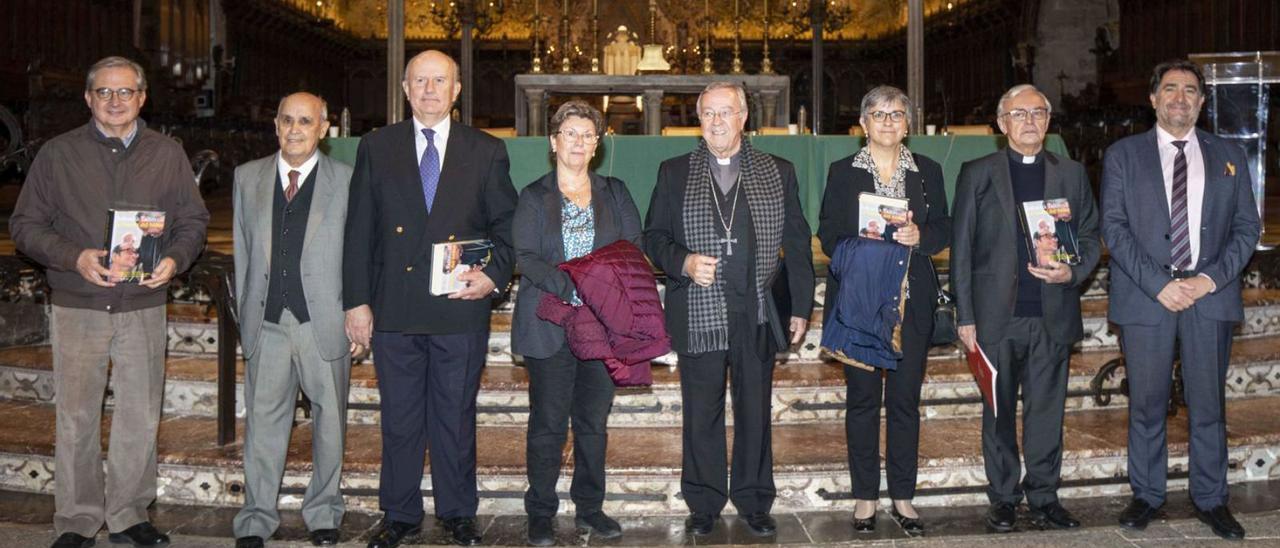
292,190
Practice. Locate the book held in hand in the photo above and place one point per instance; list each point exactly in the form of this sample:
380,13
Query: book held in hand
1049,232
985,374
880,216
133,244
450,259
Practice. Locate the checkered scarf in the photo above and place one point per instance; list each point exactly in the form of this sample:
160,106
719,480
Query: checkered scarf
762,184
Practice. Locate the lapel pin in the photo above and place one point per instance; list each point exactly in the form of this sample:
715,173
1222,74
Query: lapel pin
1231,169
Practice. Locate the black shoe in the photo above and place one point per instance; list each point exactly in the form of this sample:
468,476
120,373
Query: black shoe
600,525
142,534
250,542
462,531
1052,516
913,527
323,537
865,525
72,540
1137,514
1001,516
391,533
1223,523
700,525
541,532
761,524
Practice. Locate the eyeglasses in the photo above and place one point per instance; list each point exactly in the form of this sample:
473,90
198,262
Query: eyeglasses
124,94
571,135
1021,114
723,114
896,116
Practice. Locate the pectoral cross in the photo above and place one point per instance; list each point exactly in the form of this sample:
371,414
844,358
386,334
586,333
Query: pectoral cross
728,244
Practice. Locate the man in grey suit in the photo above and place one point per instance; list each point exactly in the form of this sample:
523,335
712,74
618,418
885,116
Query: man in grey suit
1180,221
1024,317
290,217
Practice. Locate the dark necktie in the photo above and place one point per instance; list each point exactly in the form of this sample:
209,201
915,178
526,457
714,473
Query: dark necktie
429,168
1180,233
292,189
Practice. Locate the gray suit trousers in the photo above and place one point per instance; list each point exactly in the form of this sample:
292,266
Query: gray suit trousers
286,359
84,341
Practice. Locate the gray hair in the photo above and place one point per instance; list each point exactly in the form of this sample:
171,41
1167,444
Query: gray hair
883,95
579,109
725,84
115,61
1018,90
324,105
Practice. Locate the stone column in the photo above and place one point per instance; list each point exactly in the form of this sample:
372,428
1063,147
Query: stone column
535,98
769,108
395,61
653,112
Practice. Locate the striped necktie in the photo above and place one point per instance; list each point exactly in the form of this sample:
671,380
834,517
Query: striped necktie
1180,233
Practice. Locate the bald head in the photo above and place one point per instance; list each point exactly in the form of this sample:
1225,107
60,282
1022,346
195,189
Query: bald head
301,121
431,85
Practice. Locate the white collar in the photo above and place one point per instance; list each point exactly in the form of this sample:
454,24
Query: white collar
304,170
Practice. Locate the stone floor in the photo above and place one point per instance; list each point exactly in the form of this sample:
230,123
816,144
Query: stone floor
25,521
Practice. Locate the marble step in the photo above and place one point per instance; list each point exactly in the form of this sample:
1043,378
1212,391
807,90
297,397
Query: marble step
193,328
644,463
803,392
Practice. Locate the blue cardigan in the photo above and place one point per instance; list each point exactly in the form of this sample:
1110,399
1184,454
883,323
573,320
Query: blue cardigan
869,305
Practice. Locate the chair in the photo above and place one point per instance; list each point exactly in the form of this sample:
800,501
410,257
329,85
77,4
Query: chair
983,129
682,131
856,131
773,130
500,132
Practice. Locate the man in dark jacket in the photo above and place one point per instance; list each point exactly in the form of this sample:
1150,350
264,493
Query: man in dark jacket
1025,317
113,162
718,220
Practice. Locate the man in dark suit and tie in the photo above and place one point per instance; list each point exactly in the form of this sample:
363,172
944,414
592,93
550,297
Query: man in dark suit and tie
1180,221
1025,317
416,183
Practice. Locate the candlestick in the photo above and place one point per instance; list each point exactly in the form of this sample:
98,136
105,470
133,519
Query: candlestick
737,31
766,66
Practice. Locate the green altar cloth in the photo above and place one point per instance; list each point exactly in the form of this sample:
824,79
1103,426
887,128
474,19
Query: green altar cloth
635,158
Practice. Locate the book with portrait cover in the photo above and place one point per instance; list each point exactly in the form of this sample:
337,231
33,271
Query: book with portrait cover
880,216
450,259
133,244
1048,232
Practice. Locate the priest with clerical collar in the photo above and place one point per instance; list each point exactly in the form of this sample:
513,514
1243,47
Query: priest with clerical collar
724,223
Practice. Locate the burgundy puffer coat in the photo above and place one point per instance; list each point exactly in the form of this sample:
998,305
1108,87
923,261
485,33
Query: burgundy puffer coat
621,320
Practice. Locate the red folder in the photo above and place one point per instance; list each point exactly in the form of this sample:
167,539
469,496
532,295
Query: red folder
985,375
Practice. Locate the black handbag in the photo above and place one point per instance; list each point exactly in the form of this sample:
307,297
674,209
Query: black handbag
944,315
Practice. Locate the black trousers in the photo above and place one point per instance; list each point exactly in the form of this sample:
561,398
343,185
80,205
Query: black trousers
428,386
900,392
1028,359
562,387
749,364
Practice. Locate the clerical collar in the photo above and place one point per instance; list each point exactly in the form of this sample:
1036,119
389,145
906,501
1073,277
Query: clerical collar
725,161
1019,158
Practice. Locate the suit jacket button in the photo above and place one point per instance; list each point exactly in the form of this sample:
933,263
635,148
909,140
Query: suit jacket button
1166,236
408,268
399,229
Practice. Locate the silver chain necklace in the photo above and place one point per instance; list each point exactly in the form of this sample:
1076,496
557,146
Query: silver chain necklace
733,212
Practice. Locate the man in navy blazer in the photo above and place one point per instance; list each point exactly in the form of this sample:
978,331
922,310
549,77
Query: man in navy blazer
1179,218
416,183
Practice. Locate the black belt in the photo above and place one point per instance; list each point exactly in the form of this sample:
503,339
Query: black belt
1179,274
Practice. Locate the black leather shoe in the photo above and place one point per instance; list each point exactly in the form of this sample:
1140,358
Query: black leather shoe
865,525
462,531
323,537
1001,516
1222,522
541,532
1137,514
391,533
761,524
250,542
599,524
913,527
1052,516
72,540
700,524
142,534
